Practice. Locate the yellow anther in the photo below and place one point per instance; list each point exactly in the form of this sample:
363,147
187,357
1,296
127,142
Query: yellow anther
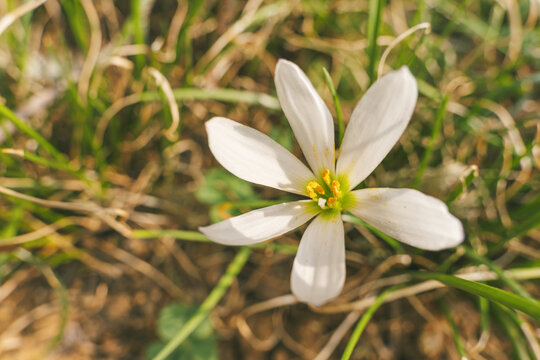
331,202
326,176
316,186
313,188
335,187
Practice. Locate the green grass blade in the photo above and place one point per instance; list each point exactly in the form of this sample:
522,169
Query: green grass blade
175,234
197,236
374,23
41,160
484,312
454,330
513,284
62,166
77,22
362,323
389,240
433,139
25,128
56,285
184,42
510,325
211,301
429,91
225,95
463,185
520,229
337,105
138,19
528,306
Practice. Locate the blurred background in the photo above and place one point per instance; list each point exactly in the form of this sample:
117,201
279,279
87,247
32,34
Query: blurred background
105,175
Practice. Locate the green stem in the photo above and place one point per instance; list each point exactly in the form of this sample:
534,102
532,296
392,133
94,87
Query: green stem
362,323
434,136
512,284
337,105
483,304
138,34
25,128
211,301
455,331
530,307
197,236
176,234
374,22
389,240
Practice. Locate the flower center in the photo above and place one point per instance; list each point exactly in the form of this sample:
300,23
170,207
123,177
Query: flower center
328,194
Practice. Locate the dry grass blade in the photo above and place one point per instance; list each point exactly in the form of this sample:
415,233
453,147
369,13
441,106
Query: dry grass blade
425,286
106,173
72,206
422,26
338,335
146,269
34,235
172,132
9,18
93,51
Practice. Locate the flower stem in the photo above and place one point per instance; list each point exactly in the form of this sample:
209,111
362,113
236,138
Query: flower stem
337,105
454,329
211,301
362,323
389,240
434,137
28,130
374,22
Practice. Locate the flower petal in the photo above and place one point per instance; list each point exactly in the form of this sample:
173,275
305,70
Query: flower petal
318,272
409,216
259,225
376,124
308,115
253,156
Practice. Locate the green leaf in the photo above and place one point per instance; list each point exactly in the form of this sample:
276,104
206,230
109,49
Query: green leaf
362,323
513,284
220,186
432,141
174,316
528,306
201,345
337,105
454,329
211,301
389,240
509,323
374,23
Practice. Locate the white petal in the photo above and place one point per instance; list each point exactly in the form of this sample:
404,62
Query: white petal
308,115
259,225
409,216
376,124
253,156
318,272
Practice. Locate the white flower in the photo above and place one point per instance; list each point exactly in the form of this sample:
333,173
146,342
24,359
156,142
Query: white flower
376,124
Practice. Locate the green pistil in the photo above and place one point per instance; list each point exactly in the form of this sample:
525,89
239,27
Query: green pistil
328,195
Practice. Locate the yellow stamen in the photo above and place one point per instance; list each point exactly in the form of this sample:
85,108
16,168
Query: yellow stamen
335,187
316,186
326,176
331,202
313,188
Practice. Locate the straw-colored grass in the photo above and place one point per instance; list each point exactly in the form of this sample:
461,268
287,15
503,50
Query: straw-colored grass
105,175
